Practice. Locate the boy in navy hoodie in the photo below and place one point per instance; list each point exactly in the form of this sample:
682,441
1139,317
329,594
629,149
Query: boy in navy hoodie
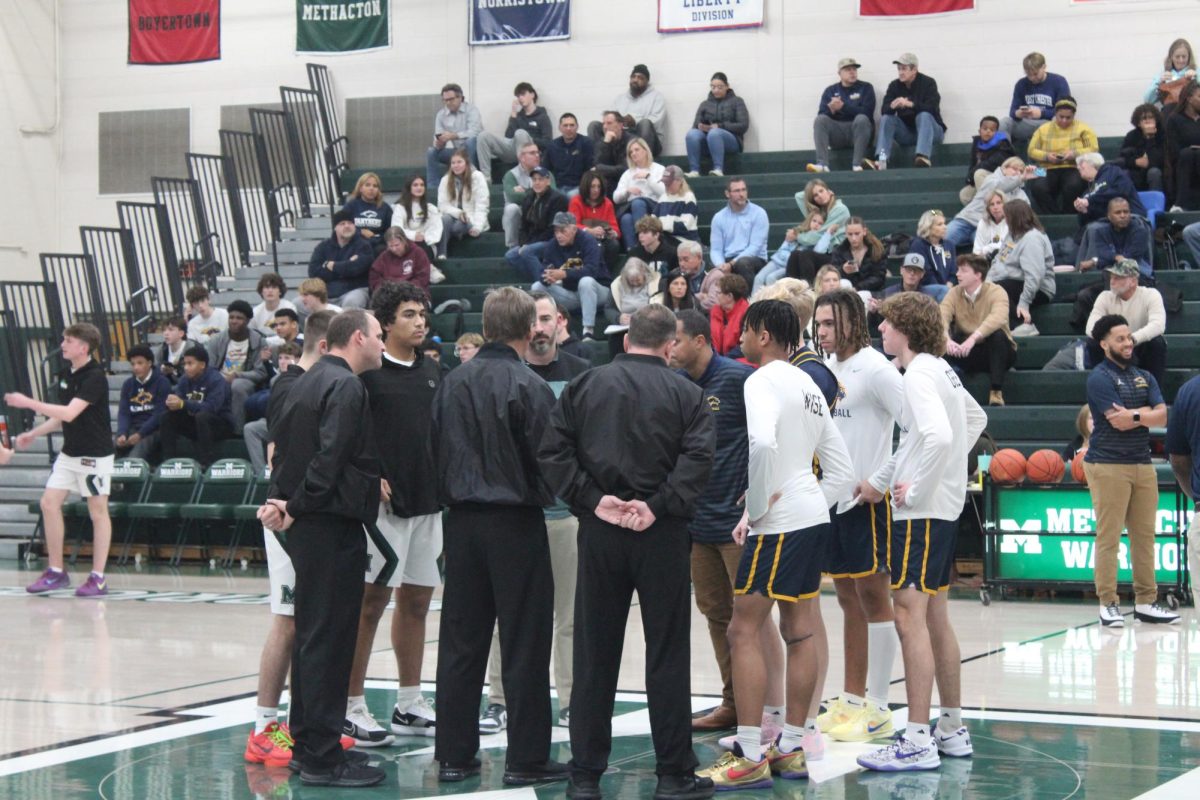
143,402
198,409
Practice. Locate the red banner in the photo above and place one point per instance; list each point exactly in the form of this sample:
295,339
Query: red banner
911,8
174,31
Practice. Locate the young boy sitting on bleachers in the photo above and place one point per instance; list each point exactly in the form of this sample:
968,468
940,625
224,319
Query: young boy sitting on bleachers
199,409
143,402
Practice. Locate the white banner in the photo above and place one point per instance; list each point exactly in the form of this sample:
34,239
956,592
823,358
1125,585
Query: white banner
686,16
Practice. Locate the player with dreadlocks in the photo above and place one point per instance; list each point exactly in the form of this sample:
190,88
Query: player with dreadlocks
870,398
784,529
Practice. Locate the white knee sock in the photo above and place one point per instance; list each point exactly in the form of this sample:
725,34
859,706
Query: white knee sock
882,643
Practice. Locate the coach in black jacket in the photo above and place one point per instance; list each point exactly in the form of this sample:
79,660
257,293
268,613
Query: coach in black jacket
324,487
488,417
629,447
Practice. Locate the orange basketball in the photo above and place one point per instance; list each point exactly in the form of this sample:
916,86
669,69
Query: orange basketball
1008,466
1045,466
1077,467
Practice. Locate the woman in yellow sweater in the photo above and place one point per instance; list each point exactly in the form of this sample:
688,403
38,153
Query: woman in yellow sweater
1053,148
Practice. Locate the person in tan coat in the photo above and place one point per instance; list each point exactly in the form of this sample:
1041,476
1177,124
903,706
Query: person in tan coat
975,314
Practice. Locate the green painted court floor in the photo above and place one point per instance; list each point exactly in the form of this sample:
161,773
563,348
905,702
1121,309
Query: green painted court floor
196,754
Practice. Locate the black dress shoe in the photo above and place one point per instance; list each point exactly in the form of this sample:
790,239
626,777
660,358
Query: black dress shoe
530,774
684,786
583,786
345,775
353,757
458,772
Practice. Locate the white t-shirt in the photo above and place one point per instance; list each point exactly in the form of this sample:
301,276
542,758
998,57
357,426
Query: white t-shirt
263,317
788,422
939,425
870,400
201,329
235,356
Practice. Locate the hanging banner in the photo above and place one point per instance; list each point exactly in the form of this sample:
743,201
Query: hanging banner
345,27
513,21
174,31
687,16
911,8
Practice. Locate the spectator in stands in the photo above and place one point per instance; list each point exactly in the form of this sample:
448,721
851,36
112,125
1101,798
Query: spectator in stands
1024,267
372,214
239,355
1119,235
691,265
1054,148
845,117
271,288
776,268
642,110
1183,148
1191,237
142,404
518,182
314,297
1105,182
975,314
992,229
640,186
1143,153
719,126
738,241
828,279
630,292
527,123
1143,308
676,293
538,208
286,328
204,321
175,344
677,210
929,243
989,150
726,316
1083,428
463,198
567,343
861,258
198,409
911,115
432,348
456,127
400,261
912,276
466,346
343,261
1034,98
570,155
575,274
653,248
817,196
597,215
1179,71
1008,178
422,223
611,141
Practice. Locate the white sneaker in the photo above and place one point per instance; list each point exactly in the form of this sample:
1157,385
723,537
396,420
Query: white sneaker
856,168
813,745
418,719
1111,616
364,730
901,756
716,173
493,720
1154,614
691,174
1175,210
1025,329
435,274
957,744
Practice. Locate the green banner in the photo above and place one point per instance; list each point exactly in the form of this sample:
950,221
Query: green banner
342,27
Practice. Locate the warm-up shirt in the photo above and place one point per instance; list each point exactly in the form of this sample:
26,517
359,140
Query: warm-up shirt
1129,387
870,400
939,424
717,508
90,433
787,423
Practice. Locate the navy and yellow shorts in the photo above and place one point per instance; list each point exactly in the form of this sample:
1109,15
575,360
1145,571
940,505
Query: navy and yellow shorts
860,541
923,553
783,566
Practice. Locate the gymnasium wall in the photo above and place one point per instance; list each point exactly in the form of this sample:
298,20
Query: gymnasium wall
1108,51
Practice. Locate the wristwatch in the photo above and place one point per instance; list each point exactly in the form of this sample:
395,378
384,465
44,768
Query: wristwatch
1137,416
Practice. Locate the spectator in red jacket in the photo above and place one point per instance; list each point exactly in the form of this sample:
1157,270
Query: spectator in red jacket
726,316
400,261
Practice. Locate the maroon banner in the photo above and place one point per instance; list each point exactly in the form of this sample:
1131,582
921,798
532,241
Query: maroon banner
911,8
174,31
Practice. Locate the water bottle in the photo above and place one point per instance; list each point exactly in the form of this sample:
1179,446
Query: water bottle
4,441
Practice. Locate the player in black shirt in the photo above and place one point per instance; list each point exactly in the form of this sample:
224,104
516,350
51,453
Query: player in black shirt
85,464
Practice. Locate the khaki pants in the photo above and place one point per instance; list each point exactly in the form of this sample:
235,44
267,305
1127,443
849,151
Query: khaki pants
1124,496
714,569
564,561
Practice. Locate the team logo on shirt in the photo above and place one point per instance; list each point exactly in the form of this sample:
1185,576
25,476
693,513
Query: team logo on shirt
952,376
196,395
142,398
714,403
1140,383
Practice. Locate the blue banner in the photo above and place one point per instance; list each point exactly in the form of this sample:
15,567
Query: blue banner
516,21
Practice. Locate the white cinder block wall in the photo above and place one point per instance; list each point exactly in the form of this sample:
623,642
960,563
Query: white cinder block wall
1108,51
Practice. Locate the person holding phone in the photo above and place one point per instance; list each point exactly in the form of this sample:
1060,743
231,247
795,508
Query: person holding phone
1053,148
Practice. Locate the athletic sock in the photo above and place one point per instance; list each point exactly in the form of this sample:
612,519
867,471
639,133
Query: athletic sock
852,700
810,725
359,700
750,739
55,570
98,575
950,719
882,643
918,735
773,710
263,717
791,738
406,696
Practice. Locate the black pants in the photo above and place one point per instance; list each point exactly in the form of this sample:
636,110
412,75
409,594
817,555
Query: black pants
748,267
205,429
1056,193
994,355
330,557
804,264
613,563
497,570
1014,287
1150,356
1187,179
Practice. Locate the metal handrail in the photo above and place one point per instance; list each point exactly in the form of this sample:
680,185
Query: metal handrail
148,317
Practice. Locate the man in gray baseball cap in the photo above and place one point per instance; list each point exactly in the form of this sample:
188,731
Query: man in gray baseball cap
845,117
574,272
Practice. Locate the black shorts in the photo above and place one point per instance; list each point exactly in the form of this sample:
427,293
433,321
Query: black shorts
783,566
923,553
860,541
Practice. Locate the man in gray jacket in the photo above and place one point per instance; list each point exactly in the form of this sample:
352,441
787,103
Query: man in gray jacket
644,109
